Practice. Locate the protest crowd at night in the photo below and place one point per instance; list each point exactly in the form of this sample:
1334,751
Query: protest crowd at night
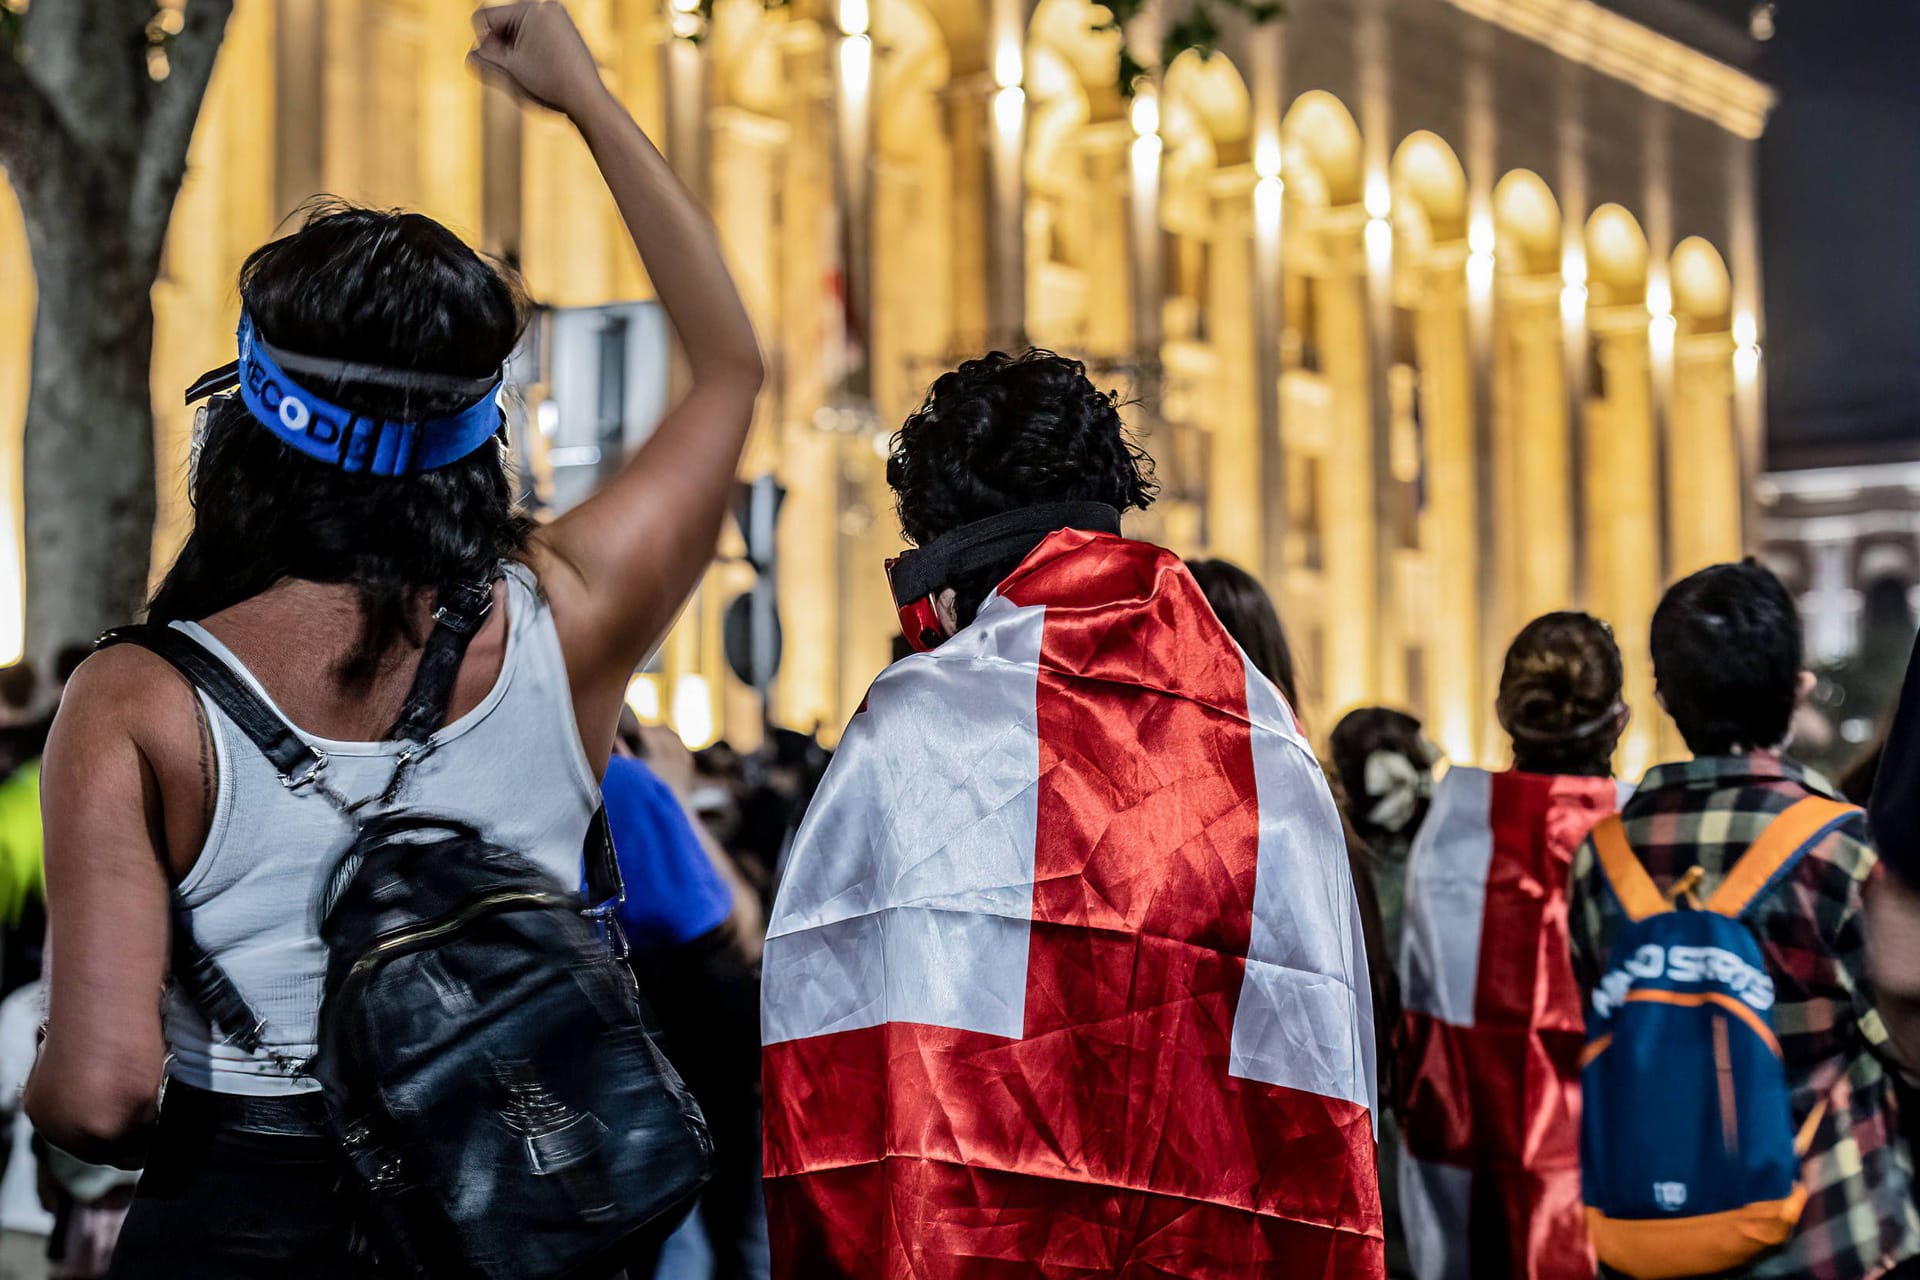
419,875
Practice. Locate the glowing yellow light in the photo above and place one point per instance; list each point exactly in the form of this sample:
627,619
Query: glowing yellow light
1480,236
1379,241
686,25
1662,329
1267,154
1573,267
1746,361
1145,154
1009,109
1269,197
1659,298
1573,303
853,17
1480,272
693,711
1746,329
856,64
1145,114
13,618
643,695
686,6
1379,198
1009,67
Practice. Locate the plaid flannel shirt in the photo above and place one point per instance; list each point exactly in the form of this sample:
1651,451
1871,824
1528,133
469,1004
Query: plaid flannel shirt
1860,1219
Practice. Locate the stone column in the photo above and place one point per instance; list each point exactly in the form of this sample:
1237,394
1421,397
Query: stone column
1109,330
969,104
1704,483
1453,506
1234,465
1622,506
1535,553
1352,544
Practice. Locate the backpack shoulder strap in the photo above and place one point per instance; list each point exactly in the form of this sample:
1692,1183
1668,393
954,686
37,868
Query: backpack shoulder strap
205,984
1791,833
1638,895
296,762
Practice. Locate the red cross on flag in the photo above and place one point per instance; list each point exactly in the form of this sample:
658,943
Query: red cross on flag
1494,1027
1066,975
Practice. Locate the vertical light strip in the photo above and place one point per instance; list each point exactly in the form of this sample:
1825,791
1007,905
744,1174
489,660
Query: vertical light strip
1006,231
1749,387
1267,64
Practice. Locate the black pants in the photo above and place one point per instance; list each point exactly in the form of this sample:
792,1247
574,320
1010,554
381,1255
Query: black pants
246,1189
706,1001
237,1188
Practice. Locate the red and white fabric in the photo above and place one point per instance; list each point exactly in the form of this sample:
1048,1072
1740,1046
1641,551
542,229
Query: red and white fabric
1489,1064
1066,976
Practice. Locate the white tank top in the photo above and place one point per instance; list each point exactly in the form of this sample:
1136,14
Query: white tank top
513,766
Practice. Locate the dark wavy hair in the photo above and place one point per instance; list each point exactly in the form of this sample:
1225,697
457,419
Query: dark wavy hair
1004,432
1559,696
376,287
1727,656
1246,611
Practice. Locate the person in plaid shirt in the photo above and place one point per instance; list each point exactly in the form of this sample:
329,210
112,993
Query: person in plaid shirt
1726,659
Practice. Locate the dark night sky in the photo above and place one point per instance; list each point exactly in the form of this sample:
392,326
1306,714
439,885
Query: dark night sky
1840,182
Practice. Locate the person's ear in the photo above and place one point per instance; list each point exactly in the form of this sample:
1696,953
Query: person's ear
943,604
1803,690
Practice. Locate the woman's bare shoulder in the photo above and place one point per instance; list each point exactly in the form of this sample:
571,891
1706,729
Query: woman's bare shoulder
128,693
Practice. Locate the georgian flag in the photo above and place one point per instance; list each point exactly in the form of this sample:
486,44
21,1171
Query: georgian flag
1489,1062
1065,978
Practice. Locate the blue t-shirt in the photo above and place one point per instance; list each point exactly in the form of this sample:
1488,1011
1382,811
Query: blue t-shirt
674,893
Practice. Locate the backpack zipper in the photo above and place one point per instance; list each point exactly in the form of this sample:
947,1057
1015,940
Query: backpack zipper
401,941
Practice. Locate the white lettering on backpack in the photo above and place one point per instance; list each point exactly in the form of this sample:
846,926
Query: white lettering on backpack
1684,965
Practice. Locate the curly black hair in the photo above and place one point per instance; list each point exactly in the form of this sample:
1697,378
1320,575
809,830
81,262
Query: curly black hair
1004,432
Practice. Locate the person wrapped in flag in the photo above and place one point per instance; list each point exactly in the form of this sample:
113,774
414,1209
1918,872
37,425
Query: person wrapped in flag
1066,977
1494,1024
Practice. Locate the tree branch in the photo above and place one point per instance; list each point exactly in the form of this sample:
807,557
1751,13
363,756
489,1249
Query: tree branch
174,107
29,127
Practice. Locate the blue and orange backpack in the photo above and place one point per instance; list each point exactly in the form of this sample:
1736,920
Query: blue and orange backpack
1689,1156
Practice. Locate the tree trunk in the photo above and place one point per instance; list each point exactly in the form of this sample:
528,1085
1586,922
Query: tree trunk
90,488
95,120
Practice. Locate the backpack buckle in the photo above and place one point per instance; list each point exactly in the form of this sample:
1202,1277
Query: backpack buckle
311,775
465,607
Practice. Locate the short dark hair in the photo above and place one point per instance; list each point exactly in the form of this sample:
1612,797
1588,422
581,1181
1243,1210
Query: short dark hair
1727,656
1560,695
1246,611
1004,432
1361,734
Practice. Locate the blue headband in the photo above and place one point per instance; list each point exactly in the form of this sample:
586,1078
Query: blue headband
340,437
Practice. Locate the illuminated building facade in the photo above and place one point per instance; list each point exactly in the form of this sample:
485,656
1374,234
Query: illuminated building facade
1439,313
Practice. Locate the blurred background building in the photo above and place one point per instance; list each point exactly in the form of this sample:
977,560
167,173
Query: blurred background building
1436,314
1841,502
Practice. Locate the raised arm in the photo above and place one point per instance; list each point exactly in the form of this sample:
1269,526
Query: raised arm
619,566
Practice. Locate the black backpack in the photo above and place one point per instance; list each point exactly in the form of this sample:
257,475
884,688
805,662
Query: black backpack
486,1064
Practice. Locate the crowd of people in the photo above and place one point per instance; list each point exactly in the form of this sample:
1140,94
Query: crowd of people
381,939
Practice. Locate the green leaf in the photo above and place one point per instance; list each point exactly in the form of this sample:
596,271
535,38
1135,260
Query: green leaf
1197,31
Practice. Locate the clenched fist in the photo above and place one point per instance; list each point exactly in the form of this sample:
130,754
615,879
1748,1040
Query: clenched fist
536,53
